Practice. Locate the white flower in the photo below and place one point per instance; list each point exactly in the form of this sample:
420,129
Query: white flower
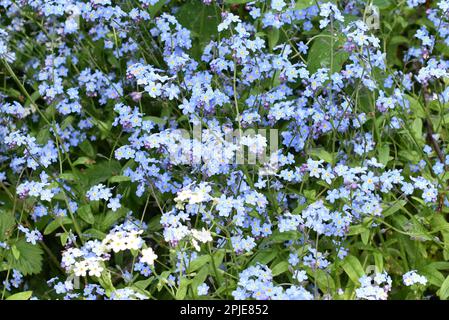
80,268
200,194
122,240
202,236
95,269
148,256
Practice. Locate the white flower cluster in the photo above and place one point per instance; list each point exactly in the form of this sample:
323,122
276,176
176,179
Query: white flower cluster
85,261
123,240
412,277
193,195
374,287
90,258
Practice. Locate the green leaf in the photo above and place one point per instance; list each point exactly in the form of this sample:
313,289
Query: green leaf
324,280
353,268
273,37
284,236
439,224
416,107
237,1
116,179
15,252
7,222
443,293
303,4
55,224
365,236
64,237
384,154
321,154
156,120
199,278
102,171
34,96
143,284
162,279
378,261
83,160
416,129
110,218
105,281
154,10
264,256
433,275
281,267
382,4
87,148
25,295
325,52
198,263
85,213
94,233
357,229
182,290
30,258
393,208
200,19
155,223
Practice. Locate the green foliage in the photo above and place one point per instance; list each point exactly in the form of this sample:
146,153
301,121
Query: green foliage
25,257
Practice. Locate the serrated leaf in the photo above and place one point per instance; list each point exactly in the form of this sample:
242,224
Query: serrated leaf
7,222
30,259
15,252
